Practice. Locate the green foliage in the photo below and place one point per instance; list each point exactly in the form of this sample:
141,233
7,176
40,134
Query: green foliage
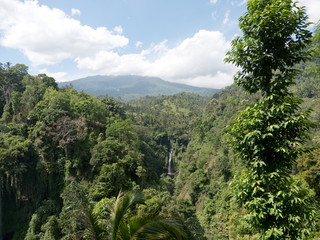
275,37
313,68
14,159
76,217
278,207
65,155
116,161
172,113
308,166
102,213
34,89
53,106
266,136
51,229
6,115
56,104
43,224
111,219
11,80
148,226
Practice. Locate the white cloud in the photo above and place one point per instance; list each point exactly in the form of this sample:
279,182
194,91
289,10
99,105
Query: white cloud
48,36
226,17
138,44
197,61
214,15
155,51
242,3
111,63
219,80
118,29
313,9
75,11
213,1
238,2
58,76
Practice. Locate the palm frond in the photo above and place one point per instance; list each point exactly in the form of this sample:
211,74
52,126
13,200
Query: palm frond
154,227
123,203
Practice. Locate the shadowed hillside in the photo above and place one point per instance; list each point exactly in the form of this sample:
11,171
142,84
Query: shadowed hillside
132,87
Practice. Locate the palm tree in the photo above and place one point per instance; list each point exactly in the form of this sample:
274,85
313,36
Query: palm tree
111,220
147,226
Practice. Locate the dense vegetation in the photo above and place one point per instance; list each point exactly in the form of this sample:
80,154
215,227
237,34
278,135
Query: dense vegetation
267,136
73,166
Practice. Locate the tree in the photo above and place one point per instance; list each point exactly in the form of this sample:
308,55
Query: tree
10,79
308,166
147,226
267,135
117,160
68,131
34,89
110,219
76,217
15,159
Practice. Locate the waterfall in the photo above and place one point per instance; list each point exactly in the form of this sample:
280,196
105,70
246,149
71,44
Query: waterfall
170,162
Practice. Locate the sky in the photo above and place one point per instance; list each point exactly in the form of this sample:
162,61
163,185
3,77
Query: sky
183,41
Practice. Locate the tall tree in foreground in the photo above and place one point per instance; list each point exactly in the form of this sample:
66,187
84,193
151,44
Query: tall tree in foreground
267,135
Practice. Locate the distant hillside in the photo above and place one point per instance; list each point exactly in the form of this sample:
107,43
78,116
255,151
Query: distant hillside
132,87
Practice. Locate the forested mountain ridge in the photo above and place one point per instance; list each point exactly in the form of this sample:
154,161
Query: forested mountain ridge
132,87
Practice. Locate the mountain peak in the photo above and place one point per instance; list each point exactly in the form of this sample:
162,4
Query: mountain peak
130,87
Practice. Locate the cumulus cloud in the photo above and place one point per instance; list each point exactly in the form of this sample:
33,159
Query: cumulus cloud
242,3
48,36
197,61
226,17
312,7
58,76
138,44
75,11
118,29
213,1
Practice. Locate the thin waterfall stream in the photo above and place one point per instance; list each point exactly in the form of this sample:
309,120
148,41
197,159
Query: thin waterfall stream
170,161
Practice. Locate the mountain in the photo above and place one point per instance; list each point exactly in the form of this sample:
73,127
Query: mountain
132,87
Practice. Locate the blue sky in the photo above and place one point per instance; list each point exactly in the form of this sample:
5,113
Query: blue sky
178,40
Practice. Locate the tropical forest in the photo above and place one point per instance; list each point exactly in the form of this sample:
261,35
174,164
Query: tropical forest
241,163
